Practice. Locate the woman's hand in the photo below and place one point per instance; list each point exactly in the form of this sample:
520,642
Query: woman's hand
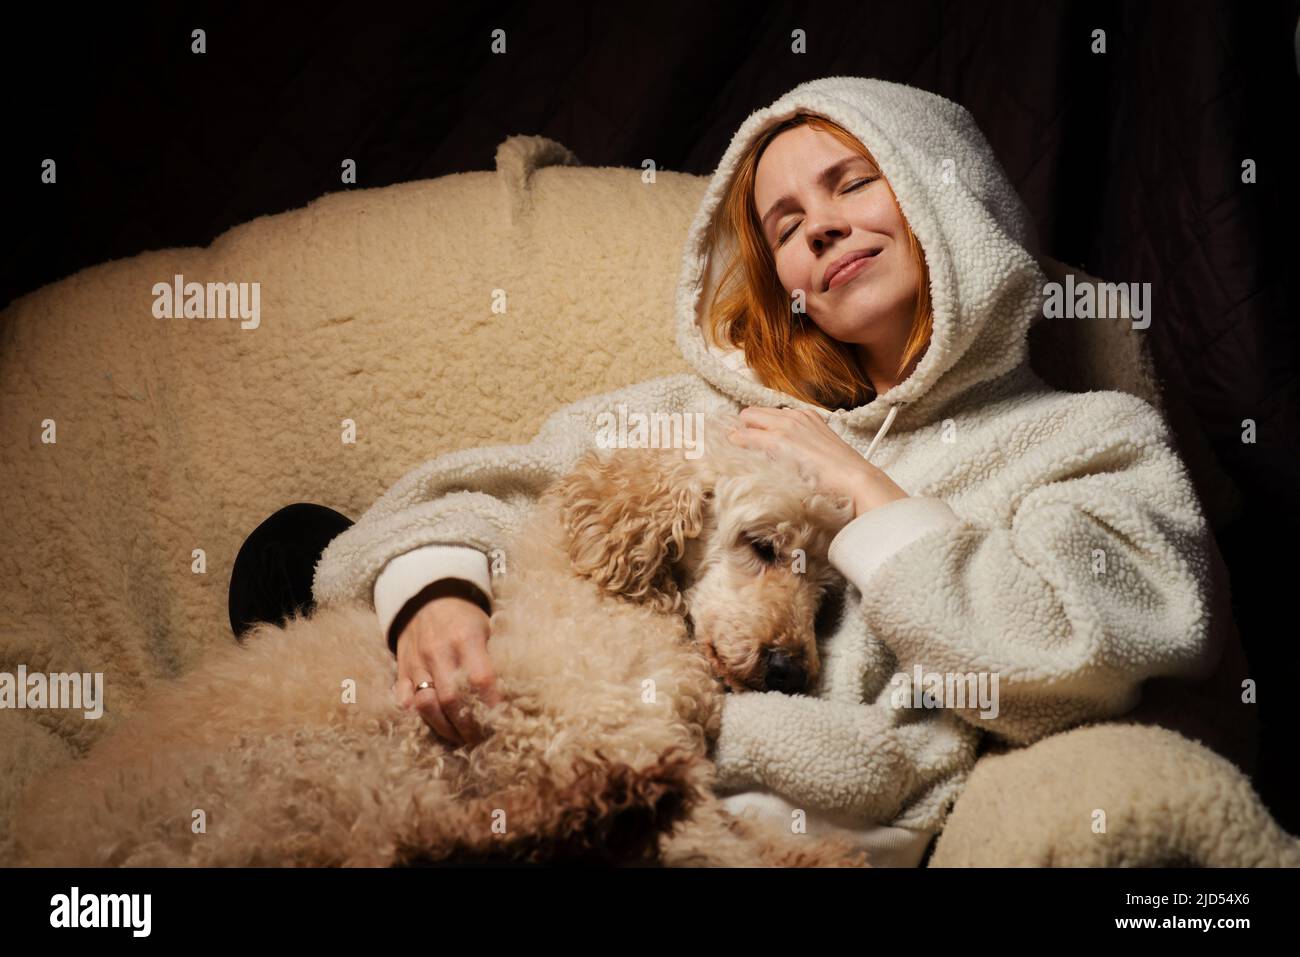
445,642
804,435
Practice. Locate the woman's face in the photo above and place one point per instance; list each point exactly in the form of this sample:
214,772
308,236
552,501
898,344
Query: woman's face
810,222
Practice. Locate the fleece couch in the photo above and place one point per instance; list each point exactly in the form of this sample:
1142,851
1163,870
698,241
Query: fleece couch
396,324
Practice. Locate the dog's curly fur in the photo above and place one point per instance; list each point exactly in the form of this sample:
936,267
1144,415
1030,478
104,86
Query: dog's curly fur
633,600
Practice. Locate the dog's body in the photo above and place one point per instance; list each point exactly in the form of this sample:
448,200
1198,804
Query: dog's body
632,600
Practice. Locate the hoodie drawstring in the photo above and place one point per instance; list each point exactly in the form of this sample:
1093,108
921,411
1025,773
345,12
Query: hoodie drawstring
881,432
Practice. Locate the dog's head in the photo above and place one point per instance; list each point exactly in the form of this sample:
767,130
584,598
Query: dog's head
734,538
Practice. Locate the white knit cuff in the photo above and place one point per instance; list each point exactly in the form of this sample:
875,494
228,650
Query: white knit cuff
867,542
407,575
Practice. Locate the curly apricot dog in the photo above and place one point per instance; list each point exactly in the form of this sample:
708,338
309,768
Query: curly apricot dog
643,586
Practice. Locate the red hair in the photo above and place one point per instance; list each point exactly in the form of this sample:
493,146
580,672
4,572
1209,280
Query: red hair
751,310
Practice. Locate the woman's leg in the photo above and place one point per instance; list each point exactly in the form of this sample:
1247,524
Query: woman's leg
272,575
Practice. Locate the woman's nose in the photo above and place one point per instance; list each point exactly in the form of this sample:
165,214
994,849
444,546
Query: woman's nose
825,231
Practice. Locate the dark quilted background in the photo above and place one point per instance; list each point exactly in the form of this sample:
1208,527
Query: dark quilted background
1130,162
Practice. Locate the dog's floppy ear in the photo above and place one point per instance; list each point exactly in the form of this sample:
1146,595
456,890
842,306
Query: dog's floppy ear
627,514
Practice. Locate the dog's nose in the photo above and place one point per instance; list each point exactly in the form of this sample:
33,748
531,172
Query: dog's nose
784,673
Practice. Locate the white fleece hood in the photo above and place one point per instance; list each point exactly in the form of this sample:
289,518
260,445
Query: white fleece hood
985,281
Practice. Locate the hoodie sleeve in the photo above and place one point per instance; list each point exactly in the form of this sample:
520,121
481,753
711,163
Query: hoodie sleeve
867,762
407,575
1095,578
472,499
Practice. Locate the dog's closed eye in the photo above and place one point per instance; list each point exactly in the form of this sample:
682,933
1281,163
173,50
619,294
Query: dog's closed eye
762,548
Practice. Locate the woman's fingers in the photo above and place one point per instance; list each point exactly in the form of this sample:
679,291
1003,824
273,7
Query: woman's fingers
428,706
451,693
759,417
413,671
445,644
763,428
480,674
403,691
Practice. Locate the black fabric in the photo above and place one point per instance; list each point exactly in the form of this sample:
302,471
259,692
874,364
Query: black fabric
272,575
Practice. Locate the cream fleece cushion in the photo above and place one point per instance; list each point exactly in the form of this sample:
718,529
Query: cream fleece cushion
376,306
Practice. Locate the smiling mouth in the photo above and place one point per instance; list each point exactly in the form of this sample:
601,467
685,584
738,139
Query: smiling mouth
847,272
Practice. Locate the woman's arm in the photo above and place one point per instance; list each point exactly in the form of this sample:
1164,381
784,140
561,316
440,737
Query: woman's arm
421,553
1097,579
476,497
404,583
870,762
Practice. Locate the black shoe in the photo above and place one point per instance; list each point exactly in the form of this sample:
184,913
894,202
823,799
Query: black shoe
272,575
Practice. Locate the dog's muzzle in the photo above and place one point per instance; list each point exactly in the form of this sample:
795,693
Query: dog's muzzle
784,673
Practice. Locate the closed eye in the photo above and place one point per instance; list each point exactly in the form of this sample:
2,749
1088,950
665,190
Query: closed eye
763,549
856,184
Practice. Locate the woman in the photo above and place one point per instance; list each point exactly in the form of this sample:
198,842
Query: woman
860,276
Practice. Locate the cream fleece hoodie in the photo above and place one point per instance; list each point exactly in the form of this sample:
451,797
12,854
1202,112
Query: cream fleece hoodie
1051,539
